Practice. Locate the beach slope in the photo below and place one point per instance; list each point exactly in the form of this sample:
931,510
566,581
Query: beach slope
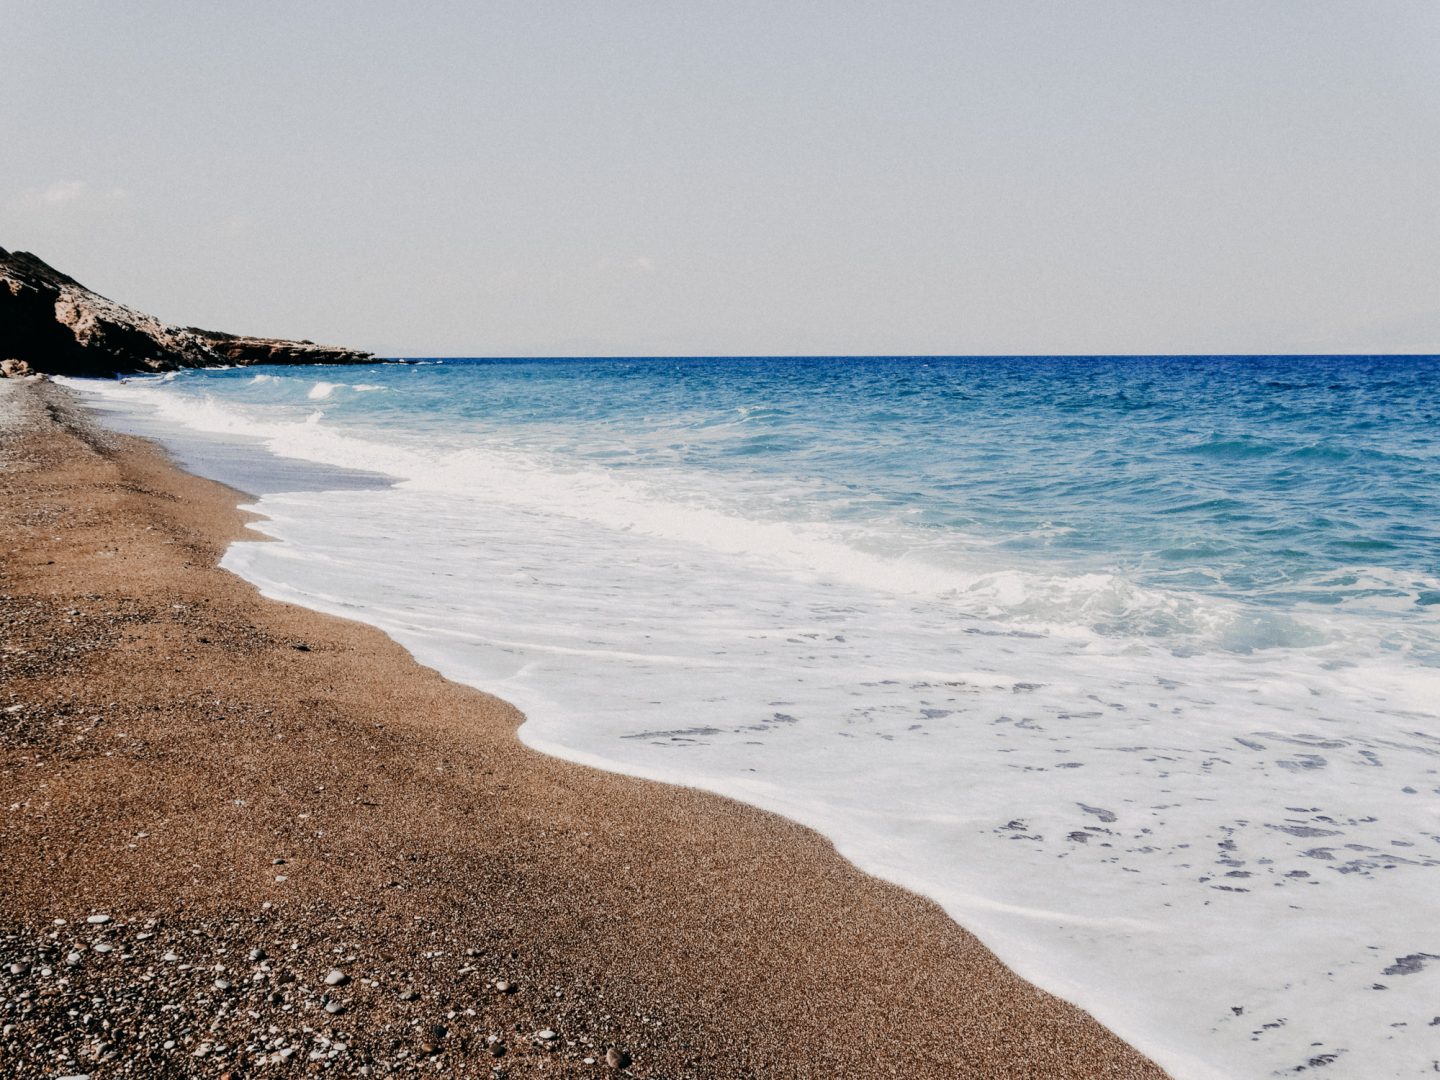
273,837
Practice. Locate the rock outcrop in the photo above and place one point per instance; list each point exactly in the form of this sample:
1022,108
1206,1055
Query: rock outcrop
51,323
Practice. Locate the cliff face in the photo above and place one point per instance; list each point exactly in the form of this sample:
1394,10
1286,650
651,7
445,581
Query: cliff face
51,323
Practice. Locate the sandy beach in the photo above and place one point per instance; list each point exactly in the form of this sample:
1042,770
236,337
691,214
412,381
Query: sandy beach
244,838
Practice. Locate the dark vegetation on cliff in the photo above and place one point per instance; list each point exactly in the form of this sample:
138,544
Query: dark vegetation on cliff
51,323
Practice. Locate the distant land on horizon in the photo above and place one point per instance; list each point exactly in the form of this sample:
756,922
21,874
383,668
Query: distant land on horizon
54,325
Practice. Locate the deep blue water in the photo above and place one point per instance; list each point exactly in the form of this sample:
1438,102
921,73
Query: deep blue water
1275,481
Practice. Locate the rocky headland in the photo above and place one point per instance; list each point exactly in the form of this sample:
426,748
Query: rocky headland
51,324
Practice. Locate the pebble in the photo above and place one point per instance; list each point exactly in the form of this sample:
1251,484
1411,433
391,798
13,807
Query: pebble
334,1008
616,1058
257,954
504,986
98,920
104,947
336,977
72,958
545,1034
170,957
222,984
408,995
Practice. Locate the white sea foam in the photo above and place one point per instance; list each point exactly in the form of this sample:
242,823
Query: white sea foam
1216,831
322,390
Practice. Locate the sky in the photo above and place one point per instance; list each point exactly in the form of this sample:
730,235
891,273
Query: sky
770,177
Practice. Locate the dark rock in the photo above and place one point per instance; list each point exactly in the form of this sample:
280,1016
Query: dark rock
51,323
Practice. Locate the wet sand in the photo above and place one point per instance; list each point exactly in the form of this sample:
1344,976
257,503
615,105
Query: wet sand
257,795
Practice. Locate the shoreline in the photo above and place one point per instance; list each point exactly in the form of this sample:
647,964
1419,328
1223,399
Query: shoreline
180,749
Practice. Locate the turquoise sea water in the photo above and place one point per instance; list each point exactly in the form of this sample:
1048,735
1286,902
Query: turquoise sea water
1133,664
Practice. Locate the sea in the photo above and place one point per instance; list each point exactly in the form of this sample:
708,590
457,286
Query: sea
1132,664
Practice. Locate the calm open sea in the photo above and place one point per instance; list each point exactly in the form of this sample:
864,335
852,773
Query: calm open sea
1132,664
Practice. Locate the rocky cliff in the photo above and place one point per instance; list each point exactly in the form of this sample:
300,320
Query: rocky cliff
51,323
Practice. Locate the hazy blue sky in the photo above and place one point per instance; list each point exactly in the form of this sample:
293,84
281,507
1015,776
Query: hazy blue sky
737,177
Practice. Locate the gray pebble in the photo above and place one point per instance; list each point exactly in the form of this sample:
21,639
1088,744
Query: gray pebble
616,1058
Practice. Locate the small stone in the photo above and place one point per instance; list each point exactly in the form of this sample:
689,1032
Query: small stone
98,920
257,955
222,984
505,986
545,1034
616,1058
170,957
104,947
72,958
334,1008
408,995
497,1049
18,969
336,977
